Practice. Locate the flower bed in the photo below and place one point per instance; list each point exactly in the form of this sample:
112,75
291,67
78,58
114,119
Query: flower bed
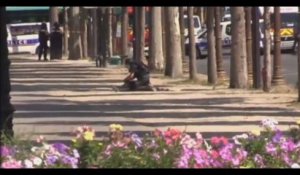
172,148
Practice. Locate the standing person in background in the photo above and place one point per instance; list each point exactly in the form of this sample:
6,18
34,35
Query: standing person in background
56,42
43,38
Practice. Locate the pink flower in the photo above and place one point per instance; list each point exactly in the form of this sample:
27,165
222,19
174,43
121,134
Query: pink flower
12,164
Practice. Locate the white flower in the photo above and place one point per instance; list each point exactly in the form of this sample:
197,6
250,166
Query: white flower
46,146
269,123
28,164
75,153
295,165
34,149
37,161
239,137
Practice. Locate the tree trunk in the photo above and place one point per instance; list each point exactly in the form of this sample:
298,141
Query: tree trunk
256,49
174,63
156,51
182,28
249,42
192,53
219,48
140,39
163,32
267,51
75,39
277,69
135,33
53,16
66,32
238,49
202,15
102,35
113,32
95,32
83,25
211,61
109,32
124,34
6,108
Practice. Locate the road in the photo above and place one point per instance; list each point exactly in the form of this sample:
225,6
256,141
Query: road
53,98
289,62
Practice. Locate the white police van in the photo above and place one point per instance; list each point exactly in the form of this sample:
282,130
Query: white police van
23,37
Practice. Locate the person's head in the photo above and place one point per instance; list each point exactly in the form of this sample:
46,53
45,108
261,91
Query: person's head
43,26
56,26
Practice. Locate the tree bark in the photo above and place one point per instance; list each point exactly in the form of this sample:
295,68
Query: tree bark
163,32
238,46
256,49
95,32
219,48
277,69
141,34
249,43
109,32
135,32
202,15
66,32
102,35
6,108
182,28
211,61
53,16
174,63
83,21
75,52
156,51
192,53
267,51
124,34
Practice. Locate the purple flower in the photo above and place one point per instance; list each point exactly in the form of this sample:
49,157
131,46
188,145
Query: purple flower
68,160
61,148
51,160
137,140
5,151
277,137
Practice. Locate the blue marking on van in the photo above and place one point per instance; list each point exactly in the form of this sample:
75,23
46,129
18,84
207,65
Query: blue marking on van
27,42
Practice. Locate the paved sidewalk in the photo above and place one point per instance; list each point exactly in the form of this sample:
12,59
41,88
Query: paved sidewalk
53,98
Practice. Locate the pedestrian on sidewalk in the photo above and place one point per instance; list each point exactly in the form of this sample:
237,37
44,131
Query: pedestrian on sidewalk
56,42
43,39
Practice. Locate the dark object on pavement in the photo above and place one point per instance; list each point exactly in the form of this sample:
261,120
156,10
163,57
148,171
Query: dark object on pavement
56,42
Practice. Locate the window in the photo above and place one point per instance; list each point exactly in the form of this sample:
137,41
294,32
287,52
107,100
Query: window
196,22
228,29
24,30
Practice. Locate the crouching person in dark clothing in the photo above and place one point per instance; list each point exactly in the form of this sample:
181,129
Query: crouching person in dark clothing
139,75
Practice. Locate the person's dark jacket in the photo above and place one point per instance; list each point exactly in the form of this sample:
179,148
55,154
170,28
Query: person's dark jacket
43,37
